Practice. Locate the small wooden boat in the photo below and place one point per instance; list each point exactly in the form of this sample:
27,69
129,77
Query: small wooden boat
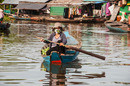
115,26
75,20
20,18
91,19
34,18
69,56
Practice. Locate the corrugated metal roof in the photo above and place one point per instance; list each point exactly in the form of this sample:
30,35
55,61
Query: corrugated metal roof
10,2
30,6
93,0
17,1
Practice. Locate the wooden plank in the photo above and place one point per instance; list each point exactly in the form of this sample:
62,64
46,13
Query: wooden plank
115,12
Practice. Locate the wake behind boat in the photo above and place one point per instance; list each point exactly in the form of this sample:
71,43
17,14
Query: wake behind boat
70,55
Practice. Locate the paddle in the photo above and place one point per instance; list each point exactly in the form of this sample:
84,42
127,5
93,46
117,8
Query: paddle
80,50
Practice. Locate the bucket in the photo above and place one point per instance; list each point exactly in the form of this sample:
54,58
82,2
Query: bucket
118,18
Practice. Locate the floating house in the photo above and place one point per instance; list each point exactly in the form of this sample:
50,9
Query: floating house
57,6
124,8
9,4
120,19
92,7
26,9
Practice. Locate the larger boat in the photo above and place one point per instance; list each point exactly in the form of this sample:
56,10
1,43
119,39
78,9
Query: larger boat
69,56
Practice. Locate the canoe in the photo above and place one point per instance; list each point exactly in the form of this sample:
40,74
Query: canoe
35,18
63,20
91,19
76,20
70,55
115,26
20,18
4,29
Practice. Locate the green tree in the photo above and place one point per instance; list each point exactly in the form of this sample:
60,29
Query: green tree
1,6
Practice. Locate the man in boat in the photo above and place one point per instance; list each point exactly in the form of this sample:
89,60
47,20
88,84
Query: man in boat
58,37
1,15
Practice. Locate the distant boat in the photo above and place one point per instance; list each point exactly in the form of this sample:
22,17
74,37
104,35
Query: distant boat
115,26
4,26
20,18
35,18
76,20
69,56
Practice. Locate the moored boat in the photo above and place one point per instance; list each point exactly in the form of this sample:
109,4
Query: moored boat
115,26
70,55
4,26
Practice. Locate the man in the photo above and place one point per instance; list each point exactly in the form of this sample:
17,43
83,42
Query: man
58,37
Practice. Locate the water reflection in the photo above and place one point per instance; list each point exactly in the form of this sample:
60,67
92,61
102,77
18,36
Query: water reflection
111,43
57,72
20,58
64,74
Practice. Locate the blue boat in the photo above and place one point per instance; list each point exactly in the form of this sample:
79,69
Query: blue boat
18,18
117,27
69,56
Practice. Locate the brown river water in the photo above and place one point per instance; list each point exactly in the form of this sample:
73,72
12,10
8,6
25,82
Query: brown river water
21,63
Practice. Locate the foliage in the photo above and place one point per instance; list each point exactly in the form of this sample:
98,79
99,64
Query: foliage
1,1
6,18
1,6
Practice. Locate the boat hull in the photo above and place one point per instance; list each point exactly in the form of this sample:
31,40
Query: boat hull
117,27
114,29
56,58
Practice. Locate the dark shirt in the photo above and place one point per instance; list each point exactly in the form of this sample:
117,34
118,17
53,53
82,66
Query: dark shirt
63,38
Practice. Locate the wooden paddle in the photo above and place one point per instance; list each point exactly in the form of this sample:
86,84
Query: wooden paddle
80,50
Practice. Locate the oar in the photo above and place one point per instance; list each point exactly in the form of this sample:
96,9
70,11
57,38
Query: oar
80,50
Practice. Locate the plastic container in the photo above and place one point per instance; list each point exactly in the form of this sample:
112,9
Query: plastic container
118,18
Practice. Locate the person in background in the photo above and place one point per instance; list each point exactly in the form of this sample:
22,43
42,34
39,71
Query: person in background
1,15
59,37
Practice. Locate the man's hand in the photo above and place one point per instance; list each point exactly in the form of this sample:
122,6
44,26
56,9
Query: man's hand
41,39
61,44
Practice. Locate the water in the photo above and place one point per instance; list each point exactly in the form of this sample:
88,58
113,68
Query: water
21,63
